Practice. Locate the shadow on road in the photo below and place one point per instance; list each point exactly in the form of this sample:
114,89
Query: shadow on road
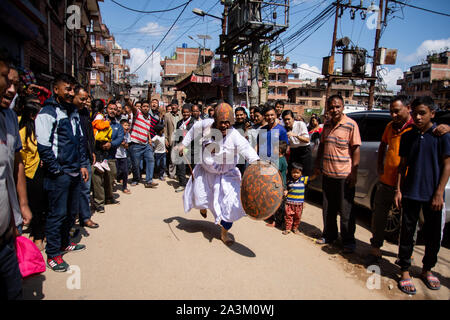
210,231
32,287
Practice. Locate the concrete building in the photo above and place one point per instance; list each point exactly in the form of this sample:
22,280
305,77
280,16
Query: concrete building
183,61
429,79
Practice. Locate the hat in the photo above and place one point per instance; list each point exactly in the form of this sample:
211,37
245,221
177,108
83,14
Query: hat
174,101
224,112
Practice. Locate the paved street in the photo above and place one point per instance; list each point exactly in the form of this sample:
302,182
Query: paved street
148,248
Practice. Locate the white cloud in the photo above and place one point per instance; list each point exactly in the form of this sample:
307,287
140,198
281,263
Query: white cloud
304,72
390,77
149,71
423,50
154,29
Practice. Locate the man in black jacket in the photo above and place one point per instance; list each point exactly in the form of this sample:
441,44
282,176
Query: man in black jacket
80,100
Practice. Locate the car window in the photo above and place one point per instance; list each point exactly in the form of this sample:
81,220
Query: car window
373,128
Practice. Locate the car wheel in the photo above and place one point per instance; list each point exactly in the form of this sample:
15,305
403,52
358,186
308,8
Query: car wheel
393,224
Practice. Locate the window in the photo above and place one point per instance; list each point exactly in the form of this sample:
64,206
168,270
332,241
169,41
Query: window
93,75
102,77
94,56
271,90
416,75
347,94
280,91
302,102
426,74
92,40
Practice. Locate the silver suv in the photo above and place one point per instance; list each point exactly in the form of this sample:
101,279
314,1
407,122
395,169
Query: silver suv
371,126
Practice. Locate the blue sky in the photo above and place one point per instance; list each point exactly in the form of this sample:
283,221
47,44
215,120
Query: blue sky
413,32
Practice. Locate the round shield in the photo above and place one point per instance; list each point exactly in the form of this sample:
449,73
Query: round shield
261,190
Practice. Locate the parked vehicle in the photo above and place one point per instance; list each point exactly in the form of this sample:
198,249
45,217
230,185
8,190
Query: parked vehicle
371,126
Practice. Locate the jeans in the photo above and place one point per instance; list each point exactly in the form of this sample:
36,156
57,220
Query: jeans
85,198
64,203
138,152
122,171
160,163
10,276
384,198
338,198
431,231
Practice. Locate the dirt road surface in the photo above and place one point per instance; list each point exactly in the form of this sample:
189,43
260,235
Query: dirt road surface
148,248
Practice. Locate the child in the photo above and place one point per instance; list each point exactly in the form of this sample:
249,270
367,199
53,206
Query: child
277,218
295,196
121,157
103,135
422,176
159,146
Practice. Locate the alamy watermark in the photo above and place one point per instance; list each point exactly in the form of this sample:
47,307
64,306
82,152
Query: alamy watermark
73,21
74,280
374,280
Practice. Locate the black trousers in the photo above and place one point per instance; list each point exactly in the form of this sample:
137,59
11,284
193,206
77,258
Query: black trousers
302,155
431,232
338,198
38,202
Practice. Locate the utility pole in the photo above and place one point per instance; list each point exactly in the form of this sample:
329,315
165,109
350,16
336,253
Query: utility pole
375,58
333,49
254,91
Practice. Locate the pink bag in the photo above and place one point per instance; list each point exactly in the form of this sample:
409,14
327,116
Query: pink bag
29,257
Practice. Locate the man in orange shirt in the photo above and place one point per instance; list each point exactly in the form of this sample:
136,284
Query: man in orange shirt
340,154
388,162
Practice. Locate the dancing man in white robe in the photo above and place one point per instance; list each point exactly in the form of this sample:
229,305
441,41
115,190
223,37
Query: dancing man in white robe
215,183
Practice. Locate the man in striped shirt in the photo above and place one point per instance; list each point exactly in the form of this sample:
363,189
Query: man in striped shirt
339,152
141,144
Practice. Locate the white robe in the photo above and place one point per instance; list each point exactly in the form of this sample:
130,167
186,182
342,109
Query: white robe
217,186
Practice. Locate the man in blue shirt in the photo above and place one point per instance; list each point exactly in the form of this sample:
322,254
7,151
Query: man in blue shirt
270,135
423,173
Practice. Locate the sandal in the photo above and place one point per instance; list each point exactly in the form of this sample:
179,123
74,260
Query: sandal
407,283
286,232
297,232
429,280
321,241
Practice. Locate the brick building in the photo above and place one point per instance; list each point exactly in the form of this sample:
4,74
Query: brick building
183,61
34,33
429,79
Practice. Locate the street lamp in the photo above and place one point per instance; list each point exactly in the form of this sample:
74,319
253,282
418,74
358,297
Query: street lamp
202,13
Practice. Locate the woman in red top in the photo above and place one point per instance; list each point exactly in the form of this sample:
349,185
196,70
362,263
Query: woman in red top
314,130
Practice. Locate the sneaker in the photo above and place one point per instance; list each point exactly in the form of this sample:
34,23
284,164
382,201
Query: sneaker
73,247
100,210
57,264
99,167
105,165
150,185
133,183
179,189
162,178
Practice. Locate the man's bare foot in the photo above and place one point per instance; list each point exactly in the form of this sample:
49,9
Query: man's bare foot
226,237
203,212
270,224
